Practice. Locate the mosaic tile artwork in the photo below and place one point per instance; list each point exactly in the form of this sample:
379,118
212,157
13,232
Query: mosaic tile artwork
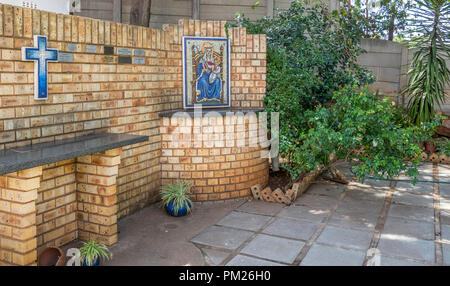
206,76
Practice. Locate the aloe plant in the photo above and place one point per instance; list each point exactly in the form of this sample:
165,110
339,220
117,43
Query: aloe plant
92,250
428,71
178,194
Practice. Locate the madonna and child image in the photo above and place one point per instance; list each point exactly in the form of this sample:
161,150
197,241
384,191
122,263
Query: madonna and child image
206,75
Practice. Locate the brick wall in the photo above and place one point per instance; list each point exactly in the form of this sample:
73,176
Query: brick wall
92,94
220,156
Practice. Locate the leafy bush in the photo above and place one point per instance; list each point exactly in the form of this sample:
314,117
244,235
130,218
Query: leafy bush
312,73
309,55
360,126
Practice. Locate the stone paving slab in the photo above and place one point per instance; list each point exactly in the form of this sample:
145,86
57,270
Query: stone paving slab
322,255
215,256
245,221
373,184
409,228
444,190
316,202
445,232
360,209
412,199
446,253
367,224
389,261
222,237
445,217
420,188
346,237
242,260
445,204
274,248
304,213
261,207
404,246
291,228
365,194
326,190
411,212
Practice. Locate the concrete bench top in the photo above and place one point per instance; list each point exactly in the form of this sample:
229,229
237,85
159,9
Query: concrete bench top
26,157
179,113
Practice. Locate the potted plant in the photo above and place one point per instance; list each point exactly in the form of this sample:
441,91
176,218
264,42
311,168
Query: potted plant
92,252
175,198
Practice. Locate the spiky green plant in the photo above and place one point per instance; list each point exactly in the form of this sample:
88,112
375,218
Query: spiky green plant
428,70
92,250
177,193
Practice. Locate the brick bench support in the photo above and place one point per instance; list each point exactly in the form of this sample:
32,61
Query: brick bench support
97,160
96,177
18,194
97,196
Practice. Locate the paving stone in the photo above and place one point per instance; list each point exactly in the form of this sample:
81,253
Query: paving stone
322,255
244,220
446,253
261,207
445,232
445,203
352,207
215,256
222,237
444,190
301,212
365,194
389,261
292,228
444,173
445,217
412,212
367,224
412,199
372,184
242,260
408,247
409,228
346,237
420,188
325,190
274,248
316,201
425,172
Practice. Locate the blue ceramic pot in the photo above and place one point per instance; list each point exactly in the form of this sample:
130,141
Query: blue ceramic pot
170,208
96,262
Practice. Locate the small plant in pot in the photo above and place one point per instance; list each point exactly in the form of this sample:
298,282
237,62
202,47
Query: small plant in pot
92,252
175,198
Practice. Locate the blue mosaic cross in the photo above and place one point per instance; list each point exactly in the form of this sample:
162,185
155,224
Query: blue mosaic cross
42,55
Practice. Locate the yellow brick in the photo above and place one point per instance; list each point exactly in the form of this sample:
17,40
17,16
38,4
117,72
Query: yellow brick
25,259
23,184
30,173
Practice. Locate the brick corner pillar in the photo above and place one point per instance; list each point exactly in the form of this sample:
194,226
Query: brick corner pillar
18,194
97,196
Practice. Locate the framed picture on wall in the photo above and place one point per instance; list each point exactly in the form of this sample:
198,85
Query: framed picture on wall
206,72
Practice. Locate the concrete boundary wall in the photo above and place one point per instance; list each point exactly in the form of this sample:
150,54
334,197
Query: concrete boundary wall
389,61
